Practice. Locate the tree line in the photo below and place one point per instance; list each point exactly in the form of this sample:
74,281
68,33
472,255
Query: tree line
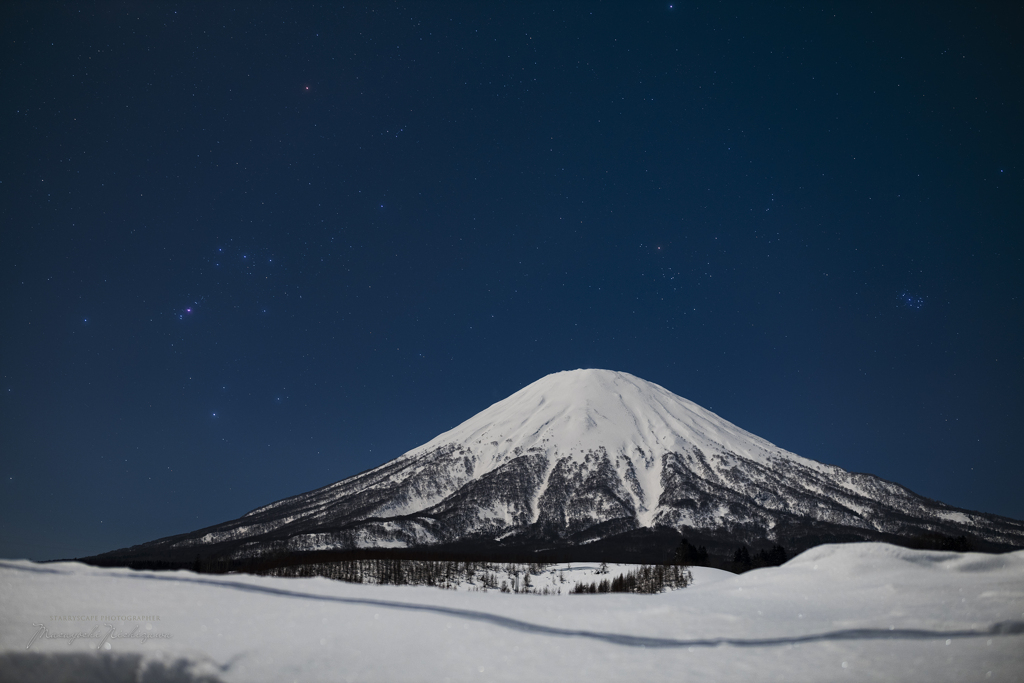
743,561
644,579
508,577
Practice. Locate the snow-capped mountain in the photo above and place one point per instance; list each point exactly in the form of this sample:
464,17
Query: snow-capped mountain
581,455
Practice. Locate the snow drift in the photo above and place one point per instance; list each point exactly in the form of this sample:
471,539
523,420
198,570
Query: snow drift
856,611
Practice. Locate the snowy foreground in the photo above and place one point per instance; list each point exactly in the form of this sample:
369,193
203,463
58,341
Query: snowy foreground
849,612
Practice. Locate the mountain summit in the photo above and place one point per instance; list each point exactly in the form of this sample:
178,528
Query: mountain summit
583,455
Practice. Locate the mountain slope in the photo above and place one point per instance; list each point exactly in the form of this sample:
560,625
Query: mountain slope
581,455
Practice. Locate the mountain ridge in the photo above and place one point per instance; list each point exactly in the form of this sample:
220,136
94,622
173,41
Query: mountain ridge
572,458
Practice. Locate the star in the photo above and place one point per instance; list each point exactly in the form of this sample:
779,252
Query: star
912,300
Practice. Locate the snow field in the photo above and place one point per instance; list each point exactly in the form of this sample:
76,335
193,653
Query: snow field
858,612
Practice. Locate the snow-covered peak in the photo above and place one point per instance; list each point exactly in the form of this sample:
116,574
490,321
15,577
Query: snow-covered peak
577,411
581,455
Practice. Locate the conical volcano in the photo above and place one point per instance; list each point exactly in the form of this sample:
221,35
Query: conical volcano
583,455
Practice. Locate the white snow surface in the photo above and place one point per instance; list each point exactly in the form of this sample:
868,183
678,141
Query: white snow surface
589,409
575,412
859,612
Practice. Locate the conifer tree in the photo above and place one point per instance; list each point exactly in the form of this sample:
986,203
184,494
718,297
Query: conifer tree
742,558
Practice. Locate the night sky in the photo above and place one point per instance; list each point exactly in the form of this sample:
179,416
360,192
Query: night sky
247,251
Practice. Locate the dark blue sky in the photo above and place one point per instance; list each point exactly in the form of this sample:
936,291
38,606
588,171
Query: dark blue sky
247,251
